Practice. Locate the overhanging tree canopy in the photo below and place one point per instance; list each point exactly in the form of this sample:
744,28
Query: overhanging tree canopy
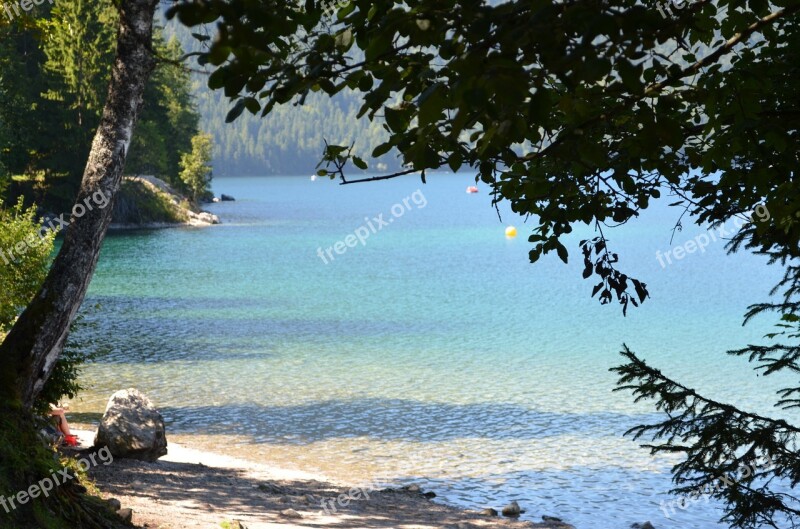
578,111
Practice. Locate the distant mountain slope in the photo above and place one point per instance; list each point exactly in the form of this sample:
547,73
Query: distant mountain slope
290,140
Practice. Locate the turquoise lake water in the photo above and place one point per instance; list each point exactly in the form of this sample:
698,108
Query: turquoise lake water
434,353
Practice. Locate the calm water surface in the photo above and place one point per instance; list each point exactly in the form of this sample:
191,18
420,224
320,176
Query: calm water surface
435,353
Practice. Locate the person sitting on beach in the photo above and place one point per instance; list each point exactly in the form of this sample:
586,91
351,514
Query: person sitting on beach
63,426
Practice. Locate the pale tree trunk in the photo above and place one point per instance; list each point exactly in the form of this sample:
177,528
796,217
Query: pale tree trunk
29,353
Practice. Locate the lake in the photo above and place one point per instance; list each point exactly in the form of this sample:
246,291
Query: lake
432,353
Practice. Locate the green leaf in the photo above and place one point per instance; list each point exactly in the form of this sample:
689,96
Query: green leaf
455,161
236,111
630,75
218,79
382,149
561,250
344,40
346,10
431,104
252,105
396,119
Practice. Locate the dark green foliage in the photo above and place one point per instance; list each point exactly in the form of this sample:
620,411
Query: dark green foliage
738,437
196,171
29,146
19,465
717,441
19,281
53,81
593,104
168,121
21,271
577,112
25,460
48,99
63,381
598,260
78,41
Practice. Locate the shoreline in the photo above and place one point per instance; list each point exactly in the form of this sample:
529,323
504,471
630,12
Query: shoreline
190,488
147,193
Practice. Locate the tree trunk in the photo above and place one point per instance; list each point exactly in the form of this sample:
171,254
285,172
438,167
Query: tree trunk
30,351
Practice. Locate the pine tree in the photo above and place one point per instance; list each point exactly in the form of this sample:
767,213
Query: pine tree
29,146
79,45
169,120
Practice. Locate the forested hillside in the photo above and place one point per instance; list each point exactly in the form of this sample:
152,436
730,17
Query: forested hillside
291,140
55,64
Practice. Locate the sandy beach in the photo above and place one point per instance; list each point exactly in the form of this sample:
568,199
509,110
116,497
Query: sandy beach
190,488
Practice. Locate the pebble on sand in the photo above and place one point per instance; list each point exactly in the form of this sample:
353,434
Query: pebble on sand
512,509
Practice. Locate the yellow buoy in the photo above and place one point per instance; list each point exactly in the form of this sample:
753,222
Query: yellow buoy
511,231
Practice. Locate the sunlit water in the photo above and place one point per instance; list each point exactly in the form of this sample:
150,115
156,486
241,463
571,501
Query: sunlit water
435,353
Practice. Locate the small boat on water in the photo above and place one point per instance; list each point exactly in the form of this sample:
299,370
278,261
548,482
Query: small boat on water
472,189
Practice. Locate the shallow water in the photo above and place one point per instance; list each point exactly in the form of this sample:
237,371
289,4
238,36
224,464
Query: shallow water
434,353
